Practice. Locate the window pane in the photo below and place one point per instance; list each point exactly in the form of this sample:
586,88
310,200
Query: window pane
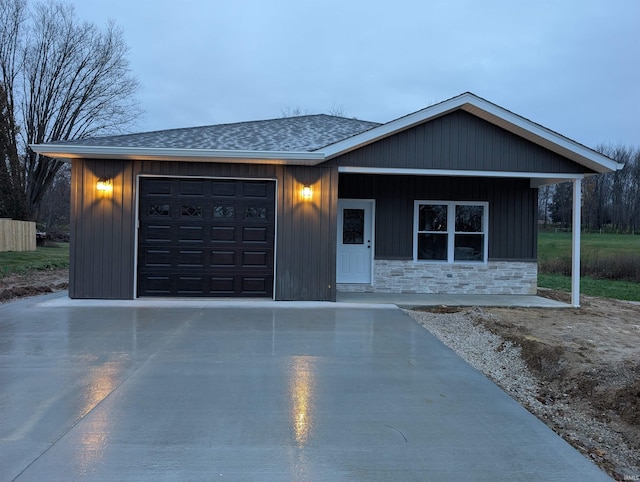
432,246
191,211
258,212
159,210
469,219
223,212
432,217
353,226
469,247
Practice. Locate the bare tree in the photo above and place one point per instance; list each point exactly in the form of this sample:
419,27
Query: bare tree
621,187
63,79
296,111
562,204
336,110
609,201
545,195
596,194
55,211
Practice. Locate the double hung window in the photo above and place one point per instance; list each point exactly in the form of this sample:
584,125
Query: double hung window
450,231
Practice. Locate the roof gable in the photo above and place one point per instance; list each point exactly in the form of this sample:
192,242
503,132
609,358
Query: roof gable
489,112
458,141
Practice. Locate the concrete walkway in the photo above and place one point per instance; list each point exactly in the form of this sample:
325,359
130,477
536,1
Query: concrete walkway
269,392
344,300
406,300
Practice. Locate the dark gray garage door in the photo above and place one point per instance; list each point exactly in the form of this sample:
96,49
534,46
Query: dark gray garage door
206,237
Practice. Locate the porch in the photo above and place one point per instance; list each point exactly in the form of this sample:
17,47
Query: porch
411,300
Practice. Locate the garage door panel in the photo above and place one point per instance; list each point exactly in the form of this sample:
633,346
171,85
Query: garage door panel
224,188
224,259
157,285
156,258
157,234
156,187
191,187
182,221
254,258
222,286
190,234
191,258
255,189
255,286
190,285
254,234
223,234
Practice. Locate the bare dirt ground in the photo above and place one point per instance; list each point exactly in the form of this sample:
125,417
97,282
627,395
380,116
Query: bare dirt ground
586,362
589,358
33,283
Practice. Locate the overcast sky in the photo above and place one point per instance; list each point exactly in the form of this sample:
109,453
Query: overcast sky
571,65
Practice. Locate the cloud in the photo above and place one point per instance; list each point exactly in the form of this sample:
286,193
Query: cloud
570,69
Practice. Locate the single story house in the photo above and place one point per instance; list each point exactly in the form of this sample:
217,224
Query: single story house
443,200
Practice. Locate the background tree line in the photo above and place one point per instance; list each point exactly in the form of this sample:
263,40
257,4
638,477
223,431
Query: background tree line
610,202
60,79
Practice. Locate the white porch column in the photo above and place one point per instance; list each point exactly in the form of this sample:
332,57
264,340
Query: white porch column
575,243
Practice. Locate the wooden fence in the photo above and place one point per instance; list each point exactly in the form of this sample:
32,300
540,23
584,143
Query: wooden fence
17,235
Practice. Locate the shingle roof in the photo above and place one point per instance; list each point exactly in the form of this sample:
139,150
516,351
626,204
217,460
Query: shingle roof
308,140
302,133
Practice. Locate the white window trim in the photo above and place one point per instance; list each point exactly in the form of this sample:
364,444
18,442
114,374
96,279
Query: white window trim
451,220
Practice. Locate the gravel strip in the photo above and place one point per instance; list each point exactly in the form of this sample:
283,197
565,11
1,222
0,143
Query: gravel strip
501,362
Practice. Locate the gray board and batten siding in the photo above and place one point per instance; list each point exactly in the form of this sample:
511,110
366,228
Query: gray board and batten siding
103,249
512,210
103,227
458,141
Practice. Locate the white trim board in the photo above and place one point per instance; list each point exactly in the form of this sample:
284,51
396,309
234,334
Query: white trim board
175,154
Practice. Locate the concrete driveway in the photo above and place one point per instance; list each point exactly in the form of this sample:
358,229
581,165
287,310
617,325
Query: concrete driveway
269,391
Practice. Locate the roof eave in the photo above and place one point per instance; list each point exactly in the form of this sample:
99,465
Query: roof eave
69,152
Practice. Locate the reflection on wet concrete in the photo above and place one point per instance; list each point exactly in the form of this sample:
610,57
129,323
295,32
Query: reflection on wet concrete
97,393
101,381
302,395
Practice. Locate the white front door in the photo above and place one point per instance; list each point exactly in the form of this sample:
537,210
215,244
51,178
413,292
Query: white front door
355,241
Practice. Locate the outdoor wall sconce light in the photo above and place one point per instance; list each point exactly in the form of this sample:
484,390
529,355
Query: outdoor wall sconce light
104,185
306,192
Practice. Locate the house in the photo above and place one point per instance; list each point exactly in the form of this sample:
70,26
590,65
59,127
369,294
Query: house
443,200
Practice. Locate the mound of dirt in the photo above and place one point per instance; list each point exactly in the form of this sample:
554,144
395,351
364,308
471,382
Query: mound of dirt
33,283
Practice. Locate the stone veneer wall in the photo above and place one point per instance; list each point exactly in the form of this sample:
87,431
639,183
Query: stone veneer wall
407,276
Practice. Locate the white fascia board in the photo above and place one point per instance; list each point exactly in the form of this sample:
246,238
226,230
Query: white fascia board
491,113
61,151
537,179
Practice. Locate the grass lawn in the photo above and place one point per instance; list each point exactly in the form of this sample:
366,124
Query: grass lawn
593,246
619,290
558,245
550,246
43,258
